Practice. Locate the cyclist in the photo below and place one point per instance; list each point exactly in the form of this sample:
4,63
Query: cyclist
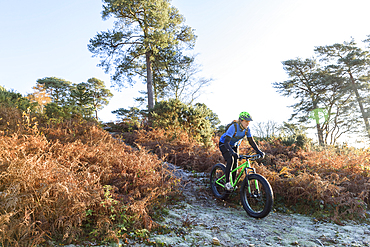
230,141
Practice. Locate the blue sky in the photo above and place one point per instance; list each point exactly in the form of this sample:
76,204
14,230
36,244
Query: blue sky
241,44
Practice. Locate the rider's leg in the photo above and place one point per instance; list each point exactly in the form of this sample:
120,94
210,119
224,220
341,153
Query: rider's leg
235,162
229,161
229,165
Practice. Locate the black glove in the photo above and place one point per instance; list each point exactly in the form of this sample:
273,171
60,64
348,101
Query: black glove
261,153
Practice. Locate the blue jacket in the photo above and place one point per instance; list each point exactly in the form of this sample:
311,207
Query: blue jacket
239,135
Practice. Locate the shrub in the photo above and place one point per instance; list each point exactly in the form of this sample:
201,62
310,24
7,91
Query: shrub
72,180
291,134
328,183
198,121
59,113
13,99
178,147
130,119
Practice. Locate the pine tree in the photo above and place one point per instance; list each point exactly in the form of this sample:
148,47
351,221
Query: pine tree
141,30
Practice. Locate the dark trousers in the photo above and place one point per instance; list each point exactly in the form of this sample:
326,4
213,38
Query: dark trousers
231,162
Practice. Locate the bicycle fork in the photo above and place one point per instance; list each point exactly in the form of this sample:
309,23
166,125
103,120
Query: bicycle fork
256,194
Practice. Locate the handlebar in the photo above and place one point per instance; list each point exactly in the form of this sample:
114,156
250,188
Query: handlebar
250,157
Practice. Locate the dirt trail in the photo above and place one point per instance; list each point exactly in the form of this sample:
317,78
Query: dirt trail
201,220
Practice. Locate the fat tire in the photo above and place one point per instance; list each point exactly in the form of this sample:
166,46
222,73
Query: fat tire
268,201
218,171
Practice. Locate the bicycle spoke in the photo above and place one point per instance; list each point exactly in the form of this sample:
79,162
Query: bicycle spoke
217,181
256,196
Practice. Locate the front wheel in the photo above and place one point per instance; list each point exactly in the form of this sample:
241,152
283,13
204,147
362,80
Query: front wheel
256,196
217,181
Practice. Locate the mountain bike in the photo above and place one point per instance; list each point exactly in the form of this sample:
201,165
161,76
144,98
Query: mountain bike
256,194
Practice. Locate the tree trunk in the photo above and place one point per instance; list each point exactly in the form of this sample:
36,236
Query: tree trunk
320,135
149,80
319,130
364,115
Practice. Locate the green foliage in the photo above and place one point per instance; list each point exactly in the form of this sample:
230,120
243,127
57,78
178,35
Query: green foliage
70,99
53,110
90,96
99,95
131,118
221,129
60,113
81,97
303,85
291,134
57,88
143,29
13,99
66,98
352,64
198,120
335,83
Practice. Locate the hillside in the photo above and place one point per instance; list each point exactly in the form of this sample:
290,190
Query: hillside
69,181
72,182
331,183
200,220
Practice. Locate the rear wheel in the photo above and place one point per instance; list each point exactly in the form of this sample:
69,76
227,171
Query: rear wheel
217,180
256,196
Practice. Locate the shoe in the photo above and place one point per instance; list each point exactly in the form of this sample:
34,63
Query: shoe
228,186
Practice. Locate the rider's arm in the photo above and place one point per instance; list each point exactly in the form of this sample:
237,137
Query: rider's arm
229,148
254,145
227,143
229,133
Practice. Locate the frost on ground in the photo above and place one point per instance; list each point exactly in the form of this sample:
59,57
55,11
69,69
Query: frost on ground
202,220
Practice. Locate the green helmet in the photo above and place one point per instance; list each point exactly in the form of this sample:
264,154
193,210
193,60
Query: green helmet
245,116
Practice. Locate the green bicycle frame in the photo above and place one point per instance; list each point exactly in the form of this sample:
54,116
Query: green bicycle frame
245,166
